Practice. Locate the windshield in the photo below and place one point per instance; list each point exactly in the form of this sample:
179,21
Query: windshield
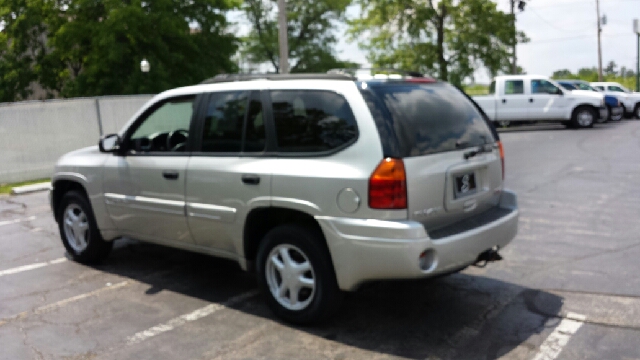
421,119
583,86
567,86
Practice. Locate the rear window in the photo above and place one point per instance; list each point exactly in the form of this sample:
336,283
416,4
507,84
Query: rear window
422,119
312,121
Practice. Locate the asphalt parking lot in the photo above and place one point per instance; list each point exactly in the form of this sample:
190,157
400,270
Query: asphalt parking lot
568,287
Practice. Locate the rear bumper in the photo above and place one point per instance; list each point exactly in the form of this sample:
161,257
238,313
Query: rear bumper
604,112
364,250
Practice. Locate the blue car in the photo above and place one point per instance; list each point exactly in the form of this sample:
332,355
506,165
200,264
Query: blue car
614,107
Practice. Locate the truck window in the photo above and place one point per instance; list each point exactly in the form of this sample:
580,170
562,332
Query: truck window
492,87
543,87
512,87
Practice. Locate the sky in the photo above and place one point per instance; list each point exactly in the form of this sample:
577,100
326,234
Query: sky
563,35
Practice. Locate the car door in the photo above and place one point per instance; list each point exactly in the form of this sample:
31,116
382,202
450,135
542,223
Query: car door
512,102
546,101
144,184
227,175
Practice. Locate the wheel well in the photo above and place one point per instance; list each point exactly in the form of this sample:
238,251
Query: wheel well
60,188
260,221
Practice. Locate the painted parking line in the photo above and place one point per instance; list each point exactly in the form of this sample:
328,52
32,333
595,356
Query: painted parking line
16,221
183,319
56,305
20,269
558,339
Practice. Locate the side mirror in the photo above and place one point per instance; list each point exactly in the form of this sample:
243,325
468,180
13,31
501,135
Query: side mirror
109,143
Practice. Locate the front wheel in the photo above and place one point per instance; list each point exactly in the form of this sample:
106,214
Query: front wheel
296,275
583,117
79,230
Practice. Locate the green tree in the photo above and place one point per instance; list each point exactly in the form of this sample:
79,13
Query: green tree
94,47
563,74
310,27
611,69
446,38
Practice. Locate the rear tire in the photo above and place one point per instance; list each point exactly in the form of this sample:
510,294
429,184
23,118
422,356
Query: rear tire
79,230
636,111
583,117
296,275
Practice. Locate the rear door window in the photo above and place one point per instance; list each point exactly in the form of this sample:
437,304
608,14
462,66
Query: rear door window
513,87
421,119
311,121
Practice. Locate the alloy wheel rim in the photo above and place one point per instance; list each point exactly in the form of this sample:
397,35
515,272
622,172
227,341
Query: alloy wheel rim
290,277
585,118
76,227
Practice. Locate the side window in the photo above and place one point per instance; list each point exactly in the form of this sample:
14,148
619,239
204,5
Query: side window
543,87
492,87
311,121
513,87
615,88
224,121
165,128
601,88
255,134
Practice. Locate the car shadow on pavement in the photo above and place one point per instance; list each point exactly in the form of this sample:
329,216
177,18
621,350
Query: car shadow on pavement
460,316
552,127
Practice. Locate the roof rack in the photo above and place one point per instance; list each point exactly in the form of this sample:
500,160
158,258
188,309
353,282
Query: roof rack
223,78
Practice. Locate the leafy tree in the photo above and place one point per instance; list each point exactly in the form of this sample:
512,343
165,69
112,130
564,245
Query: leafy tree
446,38
310,29
94,47
610,69
563,74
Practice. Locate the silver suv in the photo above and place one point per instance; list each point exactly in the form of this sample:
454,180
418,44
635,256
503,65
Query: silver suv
316,182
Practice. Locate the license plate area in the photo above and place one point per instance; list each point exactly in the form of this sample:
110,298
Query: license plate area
464,185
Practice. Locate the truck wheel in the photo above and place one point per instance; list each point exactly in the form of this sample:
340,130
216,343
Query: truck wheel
79,230
636,112
296,276
583,117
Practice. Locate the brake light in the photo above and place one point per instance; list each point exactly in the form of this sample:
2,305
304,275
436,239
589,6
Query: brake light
501,157
388,185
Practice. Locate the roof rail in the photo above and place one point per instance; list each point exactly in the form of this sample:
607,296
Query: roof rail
223,78
371,72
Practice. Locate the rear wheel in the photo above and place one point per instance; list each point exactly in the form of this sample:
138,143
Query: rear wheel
583,117
636,111
296,275
607,116
79,231
616,117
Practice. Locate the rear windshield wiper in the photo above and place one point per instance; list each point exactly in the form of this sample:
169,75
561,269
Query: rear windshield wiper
486,148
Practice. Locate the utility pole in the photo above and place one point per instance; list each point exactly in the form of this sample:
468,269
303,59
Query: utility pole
636,29
514,66
283,40
599,46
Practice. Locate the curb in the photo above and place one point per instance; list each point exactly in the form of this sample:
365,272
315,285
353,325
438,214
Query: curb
20,190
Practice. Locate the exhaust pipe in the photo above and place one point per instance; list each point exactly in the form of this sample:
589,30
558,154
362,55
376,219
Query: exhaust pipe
488,256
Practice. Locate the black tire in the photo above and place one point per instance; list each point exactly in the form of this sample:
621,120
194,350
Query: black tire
96,249
582,110
636,111
326,297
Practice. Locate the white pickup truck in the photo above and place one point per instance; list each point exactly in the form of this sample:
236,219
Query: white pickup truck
629,99
525,98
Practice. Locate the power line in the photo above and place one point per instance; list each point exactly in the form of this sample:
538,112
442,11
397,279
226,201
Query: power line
545,41
554,26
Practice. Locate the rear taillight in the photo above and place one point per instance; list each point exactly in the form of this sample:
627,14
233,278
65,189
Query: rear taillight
501,157
388,185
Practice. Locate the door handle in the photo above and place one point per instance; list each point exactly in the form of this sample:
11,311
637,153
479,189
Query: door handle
530,100
504,101
251,179
170,175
